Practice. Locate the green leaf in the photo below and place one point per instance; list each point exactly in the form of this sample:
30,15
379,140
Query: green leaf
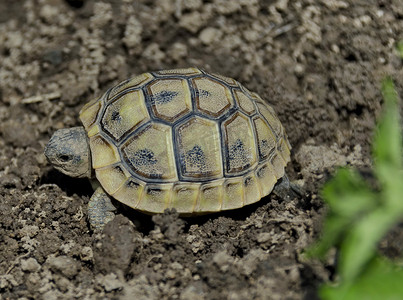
360,242
349,198
381,281
348,194
400,48
359,217
333,230
387,146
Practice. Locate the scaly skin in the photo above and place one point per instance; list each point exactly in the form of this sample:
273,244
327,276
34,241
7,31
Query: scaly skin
100,210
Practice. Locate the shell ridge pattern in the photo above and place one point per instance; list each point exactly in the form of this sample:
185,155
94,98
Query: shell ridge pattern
177,157
192,94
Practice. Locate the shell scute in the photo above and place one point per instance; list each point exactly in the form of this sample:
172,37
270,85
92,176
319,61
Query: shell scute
103,153
124,114
212,97
184,197
271,119
130,83
155,198
184,72
239,144
112,178
170,98
130,193
150,153
266,140
199,149
244,102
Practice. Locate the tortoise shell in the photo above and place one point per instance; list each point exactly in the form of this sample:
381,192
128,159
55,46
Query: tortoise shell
185,139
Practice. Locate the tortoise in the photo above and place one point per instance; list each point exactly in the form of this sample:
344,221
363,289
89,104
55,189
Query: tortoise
181,138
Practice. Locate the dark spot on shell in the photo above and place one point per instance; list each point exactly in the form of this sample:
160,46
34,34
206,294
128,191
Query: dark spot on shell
132,184
119,169
248,181
163,97
196,158
143,157
116,116
261,172
203,93
154,190
238,152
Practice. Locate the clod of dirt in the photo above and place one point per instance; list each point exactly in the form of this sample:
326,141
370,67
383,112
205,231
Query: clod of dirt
317,160
109,282
169,224
30,265
64,265
18,133
114,250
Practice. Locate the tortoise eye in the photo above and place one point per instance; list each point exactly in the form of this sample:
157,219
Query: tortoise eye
64,158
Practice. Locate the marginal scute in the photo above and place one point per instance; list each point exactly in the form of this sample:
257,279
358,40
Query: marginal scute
155,198
170,98
245,103
252,189
89,113
227,80
240,145
150,153
265,177
271,119
93,130
131,83
188,72
124,114
199,150
103,153
212,97
278,164
284,149
130,192
111,178
233,193
210,198
184,197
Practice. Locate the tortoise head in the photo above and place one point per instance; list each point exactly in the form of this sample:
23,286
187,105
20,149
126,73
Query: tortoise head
69,152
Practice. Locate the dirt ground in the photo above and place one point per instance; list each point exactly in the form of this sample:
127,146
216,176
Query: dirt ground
319,63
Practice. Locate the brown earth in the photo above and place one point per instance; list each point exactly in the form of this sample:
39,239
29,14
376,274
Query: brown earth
319,63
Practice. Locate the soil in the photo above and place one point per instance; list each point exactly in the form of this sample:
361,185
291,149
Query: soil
319,63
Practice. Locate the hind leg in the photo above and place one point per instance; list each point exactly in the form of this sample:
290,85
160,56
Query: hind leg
287,190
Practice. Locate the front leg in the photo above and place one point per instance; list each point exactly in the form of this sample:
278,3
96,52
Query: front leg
100,209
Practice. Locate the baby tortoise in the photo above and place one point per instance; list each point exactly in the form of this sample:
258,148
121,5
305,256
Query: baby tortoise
183,139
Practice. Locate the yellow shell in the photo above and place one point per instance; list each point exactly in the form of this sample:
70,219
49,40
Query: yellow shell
185,139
